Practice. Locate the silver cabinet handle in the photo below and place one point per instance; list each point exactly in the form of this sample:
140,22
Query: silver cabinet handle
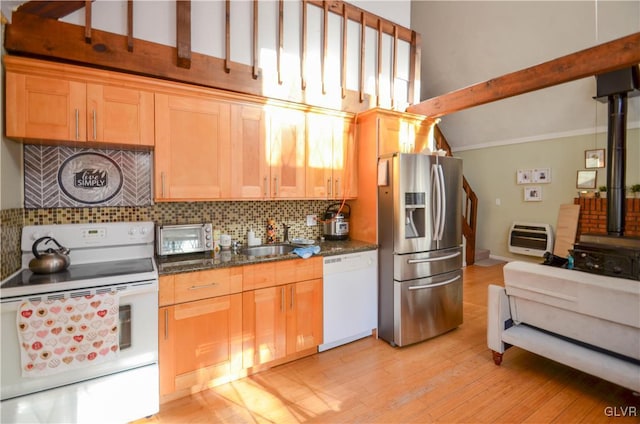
166,323
430,286
203,286
77,124
95,123
439,258
265,186
162,183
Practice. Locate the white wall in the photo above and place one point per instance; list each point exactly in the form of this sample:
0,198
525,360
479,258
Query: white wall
467,42
492,171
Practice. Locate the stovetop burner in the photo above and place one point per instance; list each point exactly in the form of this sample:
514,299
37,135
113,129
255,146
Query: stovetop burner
82,272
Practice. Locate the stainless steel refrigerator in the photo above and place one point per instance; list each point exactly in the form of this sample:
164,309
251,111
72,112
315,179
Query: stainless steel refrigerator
420,252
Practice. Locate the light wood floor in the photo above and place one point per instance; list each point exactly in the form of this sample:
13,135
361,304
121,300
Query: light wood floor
448,379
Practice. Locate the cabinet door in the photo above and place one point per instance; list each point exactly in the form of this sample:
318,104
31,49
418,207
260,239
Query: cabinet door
192,148
304,315
286,153
45,108
319,172
397,134
207,341
249,172
264,325
119,115
345,163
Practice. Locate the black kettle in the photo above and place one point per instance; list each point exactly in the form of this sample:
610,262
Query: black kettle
51,260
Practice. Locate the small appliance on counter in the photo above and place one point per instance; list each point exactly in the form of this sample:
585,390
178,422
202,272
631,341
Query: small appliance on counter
183,238
335,222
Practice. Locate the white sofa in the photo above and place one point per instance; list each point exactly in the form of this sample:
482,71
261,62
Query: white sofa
586,321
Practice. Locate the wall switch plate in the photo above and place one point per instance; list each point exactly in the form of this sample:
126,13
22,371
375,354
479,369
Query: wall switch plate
312,220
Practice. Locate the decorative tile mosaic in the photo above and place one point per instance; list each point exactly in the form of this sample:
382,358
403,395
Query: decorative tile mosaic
230,217
10,233
57,177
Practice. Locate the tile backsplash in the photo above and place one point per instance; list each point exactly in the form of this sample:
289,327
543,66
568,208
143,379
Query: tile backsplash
231,217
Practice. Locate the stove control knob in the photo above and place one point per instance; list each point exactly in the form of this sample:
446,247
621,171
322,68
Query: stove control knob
583,255
143,230
208,237
617,269
133,231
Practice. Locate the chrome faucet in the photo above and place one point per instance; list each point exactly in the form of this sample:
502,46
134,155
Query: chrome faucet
285,234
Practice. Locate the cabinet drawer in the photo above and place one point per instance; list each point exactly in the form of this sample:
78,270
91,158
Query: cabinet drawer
204,284
258,276
298,270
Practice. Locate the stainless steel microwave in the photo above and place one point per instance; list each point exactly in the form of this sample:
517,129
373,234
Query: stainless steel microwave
186,238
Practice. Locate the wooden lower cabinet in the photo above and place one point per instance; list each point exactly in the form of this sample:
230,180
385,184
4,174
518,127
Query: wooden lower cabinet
200,344
282,321
254,317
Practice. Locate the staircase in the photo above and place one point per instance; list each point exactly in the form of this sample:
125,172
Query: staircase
470,212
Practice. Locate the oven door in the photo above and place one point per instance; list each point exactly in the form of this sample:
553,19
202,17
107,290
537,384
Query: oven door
138,341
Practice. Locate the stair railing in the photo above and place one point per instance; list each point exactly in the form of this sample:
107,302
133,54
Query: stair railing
470,212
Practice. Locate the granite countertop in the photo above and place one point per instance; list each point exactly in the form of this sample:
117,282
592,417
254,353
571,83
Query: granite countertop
202,261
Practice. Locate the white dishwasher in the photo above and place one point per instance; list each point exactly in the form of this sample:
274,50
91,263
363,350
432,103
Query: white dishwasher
350,309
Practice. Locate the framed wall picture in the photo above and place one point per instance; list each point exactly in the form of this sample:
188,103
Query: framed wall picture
533,194
524,176
594,158
586,179
541,175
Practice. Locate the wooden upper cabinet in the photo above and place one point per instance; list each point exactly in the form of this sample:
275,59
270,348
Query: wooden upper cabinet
192,148
345,160
249,172
287,153
119,115
331,157
43,108
402,133
268,154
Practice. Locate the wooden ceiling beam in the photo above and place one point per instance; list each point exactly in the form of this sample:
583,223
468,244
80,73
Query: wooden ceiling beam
51,9
183,33
617,54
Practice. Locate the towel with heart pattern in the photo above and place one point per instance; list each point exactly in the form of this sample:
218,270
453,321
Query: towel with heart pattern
63,334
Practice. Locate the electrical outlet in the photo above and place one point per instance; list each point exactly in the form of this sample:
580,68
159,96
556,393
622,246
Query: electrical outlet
312,220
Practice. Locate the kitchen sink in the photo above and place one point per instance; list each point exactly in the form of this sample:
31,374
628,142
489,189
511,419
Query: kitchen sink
268,250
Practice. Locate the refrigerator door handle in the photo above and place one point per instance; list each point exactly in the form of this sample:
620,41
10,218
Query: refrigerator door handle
430,286
435,200
439,258
443,203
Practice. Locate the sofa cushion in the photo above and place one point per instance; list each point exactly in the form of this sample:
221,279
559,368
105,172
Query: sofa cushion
598,310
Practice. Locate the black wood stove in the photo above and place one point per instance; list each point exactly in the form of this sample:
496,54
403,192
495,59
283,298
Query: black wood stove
613,254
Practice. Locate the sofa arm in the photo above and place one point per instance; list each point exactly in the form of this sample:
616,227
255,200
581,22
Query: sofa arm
498,320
